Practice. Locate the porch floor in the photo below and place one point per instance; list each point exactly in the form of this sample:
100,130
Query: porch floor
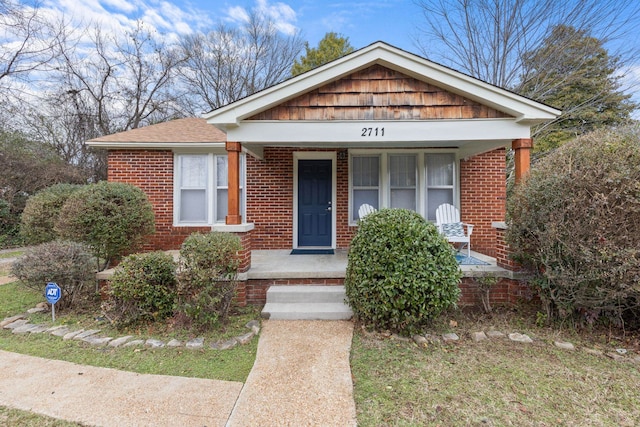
279,264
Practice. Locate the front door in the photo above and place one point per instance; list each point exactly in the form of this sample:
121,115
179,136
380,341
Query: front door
314,203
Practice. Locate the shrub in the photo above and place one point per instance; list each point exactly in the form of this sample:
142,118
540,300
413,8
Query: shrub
207,277
69,264
142,288
111,217
401,272
576,222
41,213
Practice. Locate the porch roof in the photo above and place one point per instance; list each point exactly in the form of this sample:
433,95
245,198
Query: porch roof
470,136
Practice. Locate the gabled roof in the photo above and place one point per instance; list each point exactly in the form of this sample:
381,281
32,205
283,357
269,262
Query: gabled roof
174,133
525,111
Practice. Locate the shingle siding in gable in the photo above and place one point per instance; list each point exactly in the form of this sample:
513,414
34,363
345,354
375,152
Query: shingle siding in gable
378,93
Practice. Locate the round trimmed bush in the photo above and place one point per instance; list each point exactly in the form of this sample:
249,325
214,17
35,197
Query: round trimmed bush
111,217
41,213
401,272
142,288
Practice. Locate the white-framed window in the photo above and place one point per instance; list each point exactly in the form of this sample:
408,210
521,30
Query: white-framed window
201,188
418,180
365,182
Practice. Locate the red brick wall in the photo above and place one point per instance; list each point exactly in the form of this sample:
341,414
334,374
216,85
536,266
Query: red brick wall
270,196
505,292
483,194
136,167
270,199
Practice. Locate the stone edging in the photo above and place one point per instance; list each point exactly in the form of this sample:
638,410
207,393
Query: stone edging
619,355
18,324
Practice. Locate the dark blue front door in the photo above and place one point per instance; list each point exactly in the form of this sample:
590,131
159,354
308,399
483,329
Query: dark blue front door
314,203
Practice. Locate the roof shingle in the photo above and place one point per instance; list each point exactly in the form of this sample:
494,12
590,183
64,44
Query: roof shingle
191,129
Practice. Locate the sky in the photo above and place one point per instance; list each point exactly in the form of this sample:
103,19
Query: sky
363,22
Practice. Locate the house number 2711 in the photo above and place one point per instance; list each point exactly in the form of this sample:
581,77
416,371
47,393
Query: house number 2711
372,132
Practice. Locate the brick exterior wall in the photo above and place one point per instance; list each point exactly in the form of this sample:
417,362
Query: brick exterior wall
483,194
136,167
270,197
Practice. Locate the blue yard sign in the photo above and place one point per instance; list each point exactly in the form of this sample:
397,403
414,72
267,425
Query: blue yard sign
53,293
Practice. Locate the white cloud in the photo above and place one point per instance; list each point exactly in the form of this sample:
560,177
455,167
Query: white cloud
283,16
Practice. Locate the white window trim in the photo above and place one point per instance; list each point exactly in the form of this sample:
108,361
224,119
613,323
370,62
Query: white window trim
384,174
211,188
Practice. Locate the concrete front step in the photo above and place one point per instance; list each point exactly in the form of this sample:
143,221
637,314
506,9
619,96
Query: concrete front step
306,303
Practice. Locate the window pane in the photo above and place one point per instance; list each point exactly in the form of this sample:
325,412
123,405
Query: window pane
405,199
193,205
402,169
222,204
360,197
440,169
365,171
222,173
435,198
193,171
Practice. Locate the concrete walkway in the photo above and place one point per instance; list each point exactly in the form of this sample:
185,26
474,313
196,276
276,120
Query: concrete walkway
301,377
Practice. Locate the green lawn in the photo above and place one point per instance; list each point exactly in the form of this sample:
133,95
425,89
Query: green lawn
494,382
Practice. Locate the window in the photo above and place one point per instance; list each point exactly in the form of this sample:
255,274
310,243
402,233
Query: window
415,180
365,182
440,182
202,187
402,181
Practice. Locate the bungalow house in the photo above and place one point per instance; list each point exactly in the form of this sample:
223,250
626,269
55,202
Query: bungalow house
287,168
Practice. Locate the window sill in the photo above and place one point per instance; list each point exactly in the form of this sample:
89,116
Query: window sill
236,228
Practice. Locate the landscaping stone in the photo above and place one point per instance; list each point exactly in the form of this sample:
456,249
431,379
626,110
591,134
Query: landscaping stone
52,329
119,341
61,332
86,334
615,356
174,343
195,343
245,339
134,343
594,352
518,337
621,350
93,340
450,337
433,339
226,345
70,335
153,343
23,329
16,323
39,329
478,336
400,338
11,319
42,305
36,310
420,340
495,334
564,345
254,325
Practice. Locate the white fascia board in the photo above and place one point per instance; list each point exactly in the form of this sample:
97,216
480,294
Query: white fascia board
155,146
354,133
522,108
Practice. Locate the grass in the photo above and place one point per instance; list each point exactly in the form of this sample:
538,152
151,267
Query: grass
16,417
12,254
494,382
230,365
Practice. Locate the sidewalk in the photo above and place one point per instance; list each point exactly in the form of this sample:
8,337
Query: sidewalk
301,377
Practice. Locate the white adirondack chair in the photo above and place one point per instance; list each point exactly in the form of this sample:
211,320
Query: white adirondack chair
365,209
449,224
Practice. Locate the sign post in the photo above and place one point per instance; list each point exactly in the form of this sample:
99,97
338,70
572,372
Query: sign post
53,293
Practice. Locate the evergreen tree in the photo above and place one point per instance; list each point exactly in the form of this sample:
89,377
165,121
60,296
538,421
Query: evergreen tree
573,72
332,46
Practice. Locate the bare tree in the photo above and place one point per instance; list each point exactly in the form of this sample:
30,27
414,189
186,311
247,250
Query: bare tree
230,63
28,43
488,38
